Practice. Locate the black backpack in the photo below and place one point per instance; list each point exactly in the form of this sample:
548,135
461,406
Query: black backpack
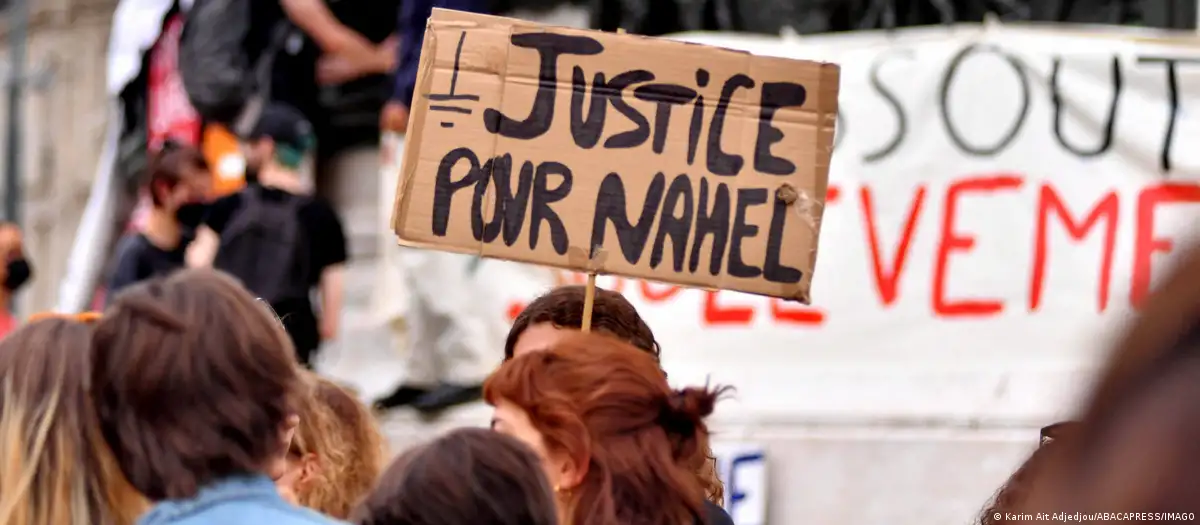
222,81
265,246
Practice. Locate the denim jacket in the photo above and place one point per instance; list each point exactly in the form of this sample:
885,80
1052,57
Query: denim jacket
250,500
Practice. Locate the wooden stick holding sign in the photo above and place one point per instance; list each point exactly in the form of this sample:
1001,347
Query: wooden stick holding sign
589,293
589,301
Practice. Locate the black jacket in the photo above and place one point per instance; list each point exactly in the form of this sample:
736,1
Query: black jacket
715,515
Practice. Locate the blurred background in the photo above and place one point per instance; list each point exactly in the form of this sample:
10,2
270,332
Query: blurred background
913,387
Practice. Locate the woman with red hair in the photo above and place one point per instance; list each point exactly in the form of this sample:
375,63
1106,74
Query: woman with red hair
619,446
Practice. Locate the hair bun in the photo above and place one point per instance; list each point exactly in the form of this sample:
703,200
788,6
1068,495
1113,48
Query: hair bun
685,409
693,403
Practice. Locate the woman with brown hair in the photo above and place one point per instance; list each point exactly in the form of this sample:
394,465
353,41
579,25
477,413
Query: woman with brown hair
469,476
195,386
559,313
619,446
337,453
54,465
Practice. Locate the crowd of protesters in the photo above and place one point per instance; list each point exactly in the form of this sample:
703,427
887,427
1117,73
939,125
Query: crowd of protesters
273,218
143,413
348,70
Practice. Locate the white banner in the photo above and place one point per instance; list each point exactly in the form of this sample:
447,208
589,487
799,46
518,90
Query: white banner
999,198
743,469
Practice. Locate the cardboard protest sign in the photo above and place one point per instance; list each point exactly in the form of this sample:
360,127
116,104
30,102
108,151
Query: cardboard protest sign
617,154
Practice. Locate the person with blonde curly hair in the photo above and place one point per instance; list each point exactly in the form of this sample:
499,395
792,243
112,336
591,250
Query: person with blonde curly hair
337,454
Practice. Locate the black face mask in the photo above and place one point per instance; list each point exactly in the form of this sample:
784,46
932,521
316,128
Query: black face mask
190,215
19,273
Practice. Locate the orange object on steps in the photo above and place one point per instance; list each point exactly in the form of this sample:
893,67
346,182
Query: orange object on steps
224,156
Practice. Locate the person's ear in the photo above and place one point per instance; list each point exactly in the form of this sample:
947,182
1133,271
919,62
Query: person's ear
160,192
569,471
288,431
310,468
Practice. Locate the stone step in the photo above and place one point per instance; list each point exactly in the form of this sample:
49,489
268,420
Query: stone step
363,356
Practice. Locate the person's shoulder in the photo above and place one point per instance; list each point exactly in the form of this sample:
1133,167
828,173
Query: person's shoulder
316,202
233,195
278,195
227,203
235,512
130,245
283,513
319,208
131,240
288,514
230,199
715,515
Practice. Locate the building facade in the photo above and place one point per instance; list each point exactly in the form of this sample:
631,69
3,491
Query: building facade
62,130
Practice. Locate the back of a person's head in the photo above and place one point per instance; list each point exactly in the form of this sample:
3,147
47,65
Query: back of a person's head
1139,458
562,307
360,430
193,383
468,476
341,435
608,407
1018,490
54,466
1140,432
612,314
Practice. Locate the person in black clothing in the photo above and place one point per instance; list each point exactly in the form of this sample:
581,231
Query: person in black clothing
179,184
275,237
232,50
